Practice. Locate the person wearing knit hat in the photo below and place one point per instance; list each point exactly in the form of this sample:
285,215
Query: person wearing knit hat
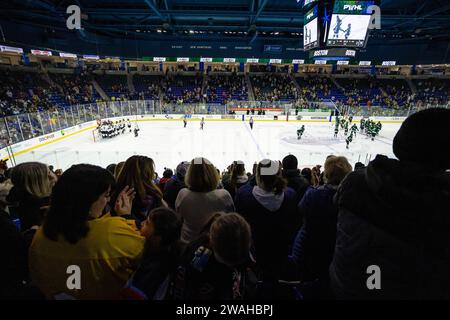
182,169
424,138
175,184
394,214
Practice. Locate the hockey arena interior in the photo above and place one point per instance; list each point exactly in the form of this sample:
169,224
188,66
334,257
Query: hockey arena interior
239,150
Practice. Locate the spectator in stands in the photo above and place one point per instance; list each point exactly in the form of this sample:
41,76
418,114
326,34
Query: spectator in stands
292,175
215,265
30,196
111,168
314,245
197,203
167,175
161,255
271,210
394,215
106,250
359,165
13,269
138,172
307,174
236,178
175,184
118,168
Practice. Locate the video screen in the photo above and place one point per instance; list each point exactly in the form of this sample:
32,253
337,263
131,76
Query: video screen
310,36
348,30
349,24
311,29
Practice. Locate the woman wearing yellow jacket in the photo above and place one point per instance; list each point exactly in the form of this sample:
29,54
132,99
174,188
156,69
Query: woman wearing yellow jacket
77,253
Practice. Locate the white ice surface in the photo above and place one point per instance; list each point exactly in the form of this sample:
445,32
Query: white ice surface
168,143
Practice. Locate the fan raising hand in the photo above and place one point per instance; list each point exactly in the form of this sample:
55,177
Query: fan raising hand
124,201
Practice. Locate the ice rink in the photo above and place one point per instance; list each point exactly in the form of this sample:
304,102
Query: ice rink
168,143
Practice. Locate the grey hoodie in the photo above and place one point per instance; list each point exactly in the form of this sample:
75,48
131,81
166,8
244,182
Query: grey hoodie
268,199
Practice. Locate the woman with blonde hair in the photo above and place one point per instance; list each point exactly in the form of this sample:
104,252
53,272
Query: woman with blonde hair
138,172
30,196
197,203
118,168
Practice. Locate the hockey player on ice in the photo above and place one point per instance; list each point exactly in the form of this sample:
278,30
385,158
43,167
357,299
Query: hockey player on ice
136,130
348,140
184,122
300,132
251,123
353,130
202,123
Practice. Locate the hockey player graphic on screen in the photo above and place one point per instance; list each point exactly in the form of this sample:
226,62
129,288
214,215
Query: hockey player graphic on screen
348,31
337,28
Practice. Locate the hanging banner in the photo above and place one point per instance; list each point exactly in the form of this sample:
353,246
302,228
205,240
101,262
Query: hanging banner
67,55
11,49
91,57
41,53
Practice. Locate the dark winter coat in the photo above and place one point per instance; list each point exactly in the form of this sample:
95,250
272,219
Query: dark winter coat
296,182
152,279
226,181
28,208
171,189
14,265
396,216
273,226
313,247
201,277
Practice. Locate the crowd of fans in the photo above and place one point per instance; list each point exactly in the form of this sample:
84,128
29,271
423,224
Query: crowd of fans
24,92
76,89
276,232
317,88
273,87
27,92
225,88
431,92
182,89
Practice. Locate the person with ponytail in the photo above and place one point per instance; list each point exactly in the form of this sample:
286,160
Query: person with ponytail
270,209
236,179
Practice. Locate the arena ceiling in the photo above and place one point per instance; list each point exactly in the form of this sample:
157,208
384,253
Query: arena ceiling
403,21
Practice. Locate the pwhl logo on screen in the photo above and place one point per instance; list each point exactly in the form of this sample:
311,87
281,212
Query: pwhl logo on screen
352,7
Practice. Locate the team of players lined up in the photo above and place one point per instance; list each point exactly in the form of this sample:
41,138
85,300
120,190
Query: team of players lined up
110,129
369,127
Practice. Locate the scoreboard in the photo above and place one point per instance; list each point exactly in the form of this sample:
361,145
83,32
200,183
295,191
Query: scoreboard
349,24
332,25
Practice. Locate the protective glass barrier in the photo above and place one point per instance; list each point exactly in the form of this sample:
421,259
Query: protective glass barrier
36,123
17,128
13,129
65,159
